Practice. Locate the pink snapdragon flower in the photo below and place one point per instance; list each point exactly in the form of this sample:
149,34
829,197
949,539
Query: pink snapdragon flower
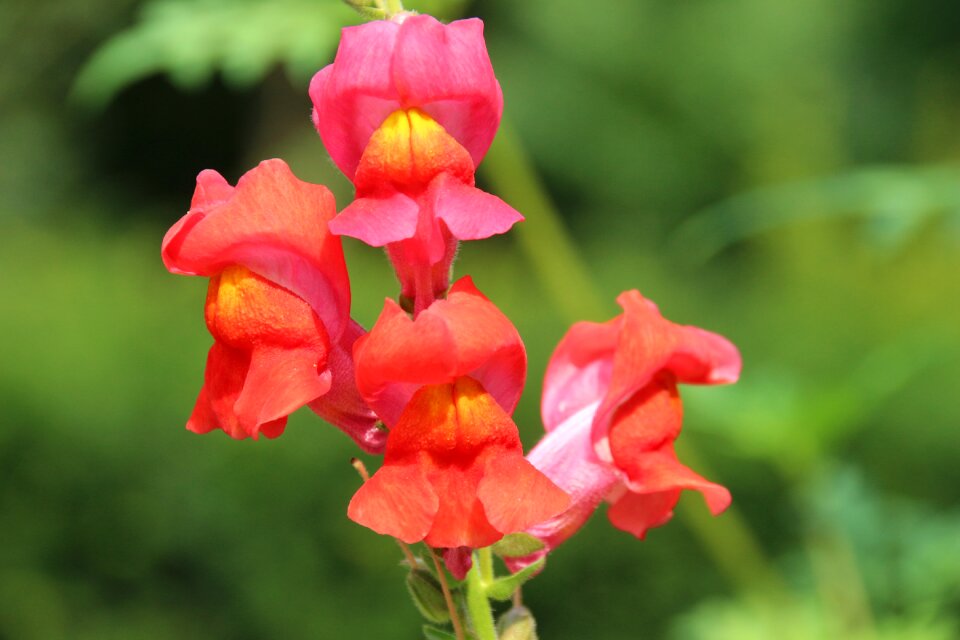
407,111
387,66
277,306
612,412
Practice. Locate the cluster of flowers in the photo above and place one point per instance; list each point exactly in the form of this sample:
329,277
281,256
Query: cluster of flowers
407,111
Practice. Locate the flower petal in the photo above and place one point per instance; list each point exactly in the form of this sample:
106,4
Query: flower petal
342,405
278,382
566,456
637,513
468,212
377,221
515,495
397,501
383,66
273,224
352,96
647,343
579,370
446,71
462,335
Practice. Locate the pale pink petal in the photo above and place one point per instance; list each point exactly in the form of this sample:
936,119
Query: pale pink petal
579,370
566,456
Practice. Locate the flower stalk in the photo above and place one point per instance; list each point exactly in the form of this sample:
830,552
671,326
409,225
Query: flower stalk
448,596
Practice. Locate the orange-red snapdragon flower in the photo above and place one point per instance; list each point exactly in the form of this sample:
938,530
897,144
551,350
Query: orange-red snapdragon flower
453,473
277,306
612,412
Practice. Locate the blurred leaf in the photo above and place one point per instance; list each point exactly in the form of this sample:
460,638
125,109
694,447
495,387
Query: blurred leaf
909,553
801,619
189,40
893,201
790,419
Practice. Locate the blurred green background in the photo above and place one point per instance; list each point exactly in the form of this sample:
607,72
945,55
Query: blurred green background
784,173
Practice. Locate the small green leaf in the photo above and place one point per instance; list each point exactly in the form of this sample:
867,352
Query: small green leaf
517,545
503,588
427,595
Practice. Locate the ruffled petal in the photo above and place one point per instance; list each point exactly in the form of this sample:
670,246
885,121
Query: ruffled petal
462,335
650,419
647,344
212,189
467,449
273,224
461,520
225,382
661,471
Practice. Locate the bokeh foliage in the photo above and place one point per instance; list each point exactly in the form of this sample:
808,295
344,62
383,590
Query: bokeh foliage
783,173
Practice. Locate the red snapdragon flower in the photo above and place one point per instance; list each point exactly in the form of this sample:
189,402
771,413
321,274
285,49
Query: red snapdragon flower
612,412
277,306
453,473
407,110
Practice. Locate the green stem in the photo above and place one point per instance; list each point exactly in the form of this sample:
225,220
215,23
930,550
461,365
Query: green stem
478,605
486,564
557,263
393,7
364,9
447,596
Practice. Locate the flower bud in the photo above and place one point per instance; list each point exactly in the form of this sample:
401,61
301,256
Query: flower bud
517,624
427,595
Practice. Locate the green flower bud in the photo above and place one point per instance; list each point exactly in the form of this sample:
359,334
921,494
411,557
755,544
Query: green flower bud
517,624
427,595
